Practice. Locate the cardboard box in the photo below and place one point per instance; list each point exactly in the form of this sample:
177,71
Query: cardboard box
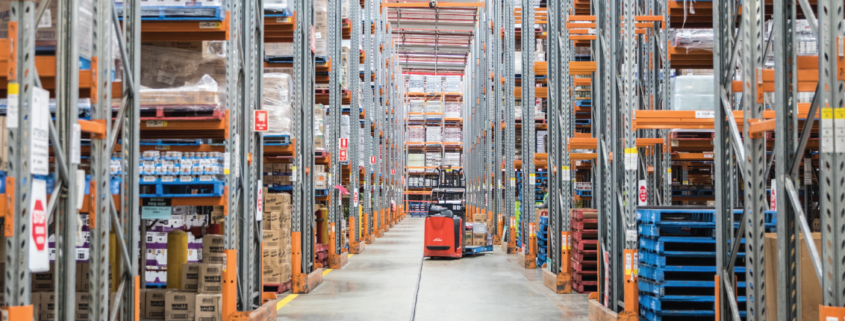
276,202
272,221
211,244
811,292
43,282
468,238
321,181
271,238
479,239
179,306
153,305
214,258
36,305
190,276
208,307
211,278
47,310
478,217
82,302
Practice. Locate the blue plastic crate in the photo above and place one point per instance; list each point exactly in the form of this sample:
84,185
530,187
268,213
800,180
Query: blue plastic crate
212,188
679,289
680,272
174,13
277,140
692,218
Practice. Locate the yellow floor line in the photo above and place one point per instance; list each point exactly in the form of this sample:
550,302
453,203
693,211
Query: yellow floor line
286,300
350,255
326,271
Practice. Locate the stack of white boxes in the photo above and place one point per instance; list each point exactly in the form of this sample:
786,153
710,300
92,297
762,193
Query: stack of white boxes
416,134
432,106
432,160
541,140
452,84
416,106
416,83
433,84
452,134
452,159
452,109
416,160
433,134
321,27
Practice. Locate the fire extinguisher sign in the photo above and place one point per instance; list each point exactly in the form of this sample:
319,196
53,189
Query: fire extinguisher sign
39,254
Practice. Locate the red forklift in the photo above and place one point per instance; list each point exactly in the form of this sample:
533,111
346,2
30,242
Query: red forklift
445,225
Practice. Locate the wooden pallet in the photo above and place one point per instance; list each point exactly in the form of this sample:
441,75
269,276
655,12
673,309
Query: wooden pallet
277,288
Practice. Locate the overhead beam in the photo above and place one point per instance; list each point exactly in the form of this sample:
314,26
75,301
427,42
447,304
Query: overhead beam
436,5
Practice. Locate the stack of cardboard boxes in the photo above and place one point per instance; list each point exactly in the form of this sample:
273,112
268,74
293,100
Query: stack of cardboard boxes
320,177
277,174
199,290
478,235
276,245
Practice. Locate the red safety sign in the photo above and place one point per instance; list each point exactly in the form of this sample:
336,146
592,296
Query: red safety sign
39,225
372,159
261,121
342,156
344,143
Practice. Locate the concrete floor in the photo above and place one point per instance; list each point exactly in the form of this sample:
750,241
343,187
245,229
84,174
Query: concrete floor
380,284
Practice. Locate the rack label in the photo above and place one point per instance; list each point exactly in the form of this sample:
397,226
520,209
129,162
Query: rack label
76,137
565,173
39,143
709,114
631,159
12,105
210,25
156,123
628,261
293,174
808,171
839,123
827,134
227,163
532,178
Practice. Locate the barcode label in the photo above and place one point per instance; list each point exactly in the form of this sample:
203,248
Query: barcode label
156,123
210,25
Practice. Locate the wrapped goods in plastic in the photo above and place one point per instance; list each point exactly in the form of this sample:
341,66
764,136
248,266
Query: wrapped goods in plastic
692,38
415,109
321,27
432,160
452,109
416,83
277,5
452,159
432,106
433,84
416,134
180,77
452,135
692,93
433,134
277,102
278,49
48,27
452,84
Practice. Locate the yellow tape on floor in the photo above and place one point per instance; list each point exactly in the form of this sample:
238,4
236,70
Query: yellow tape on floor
326,271
286,300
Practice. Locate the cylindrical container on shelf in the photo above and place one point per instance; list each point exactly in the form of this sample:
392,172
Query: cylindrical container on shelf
177,255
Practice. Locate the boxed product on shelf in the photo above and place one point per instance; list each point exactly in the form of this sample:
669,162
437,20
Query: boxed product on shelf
452,135
153,303
692,93
47,29
190,276
452,84
177,77
278,49
541,141
416,106
277,5
416,134
277,102
432,106
432,159
433,84
452,109
208,307
416,160
210,278
416,83
452,159
179,306
321,34
692,38
432,134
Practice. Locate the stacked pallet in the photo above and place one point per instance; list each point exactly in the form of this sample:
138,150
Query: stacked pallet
677,262
542,239
584,225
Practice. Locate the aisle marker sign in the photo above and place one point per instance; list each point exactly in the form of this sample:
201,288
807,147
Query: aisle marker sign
39,253
261,121
642,193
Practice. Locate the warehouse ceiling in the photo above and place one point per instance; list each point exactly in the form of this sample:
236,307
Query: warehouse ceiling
433,39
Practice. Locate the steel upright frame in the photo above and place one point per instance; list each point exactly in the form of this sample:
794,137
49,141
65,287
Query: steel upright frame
510,128
355,222
527,226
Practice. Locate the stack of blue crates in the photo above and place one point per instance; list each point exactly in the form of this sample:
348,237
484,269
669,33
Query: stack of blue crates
543,240
677,263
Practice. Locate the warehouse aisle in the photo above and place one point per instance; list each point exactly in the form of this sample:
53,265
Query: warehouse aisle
380,284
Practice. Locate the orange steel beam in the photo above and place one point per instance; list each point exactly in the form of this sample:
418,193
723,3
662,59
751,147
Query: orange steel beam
686,119
436,5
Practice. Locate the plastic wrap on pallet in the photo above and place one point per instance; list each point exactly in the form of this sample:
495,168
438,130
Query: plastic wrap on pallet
321,25
416,134
277,102
452,84
452,109
416,83
692,38
433,106
452,135
452,159
278,49
433,84
692,93
415,109
277,5
47,29
433,134
174,76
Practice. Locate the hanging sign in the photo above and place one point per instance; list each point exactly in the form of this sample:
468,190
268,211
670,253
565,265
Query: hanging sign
39,253
773,202
259,202
261,121
642,193
39,143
